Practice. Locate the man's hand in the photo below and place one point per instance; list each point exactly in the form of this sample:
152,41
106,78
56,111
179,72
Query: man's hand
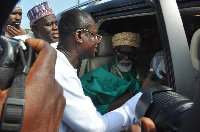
119,102
147,125
45,103
149,83
12,31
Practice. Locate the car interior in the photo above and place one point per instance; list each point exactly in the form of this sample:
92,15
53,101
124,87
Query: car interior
143,24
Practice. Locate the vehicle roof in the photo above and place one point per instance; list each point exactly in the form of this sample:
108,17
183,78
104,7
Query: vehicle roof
116,8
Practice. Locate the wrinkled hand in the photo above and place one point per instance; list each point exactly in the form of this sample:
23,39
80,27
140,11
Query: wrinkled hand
12,31
45,103
119,102
149,83
147,125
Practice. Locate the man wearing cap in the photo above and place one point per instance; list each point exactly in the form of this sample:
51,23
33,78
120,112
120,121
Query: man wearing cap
111,86
12,26
44,24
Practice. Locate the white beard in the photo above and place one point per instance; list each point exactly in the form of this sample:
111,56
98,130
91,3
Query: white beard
124,68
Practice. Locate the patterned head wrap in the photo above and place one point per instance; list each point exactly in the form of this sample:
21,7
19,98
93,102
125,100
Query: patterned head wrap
126,38
39,11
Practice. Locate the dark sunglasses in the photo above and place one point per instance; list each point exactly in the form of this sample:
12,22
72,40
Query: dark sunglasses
130,55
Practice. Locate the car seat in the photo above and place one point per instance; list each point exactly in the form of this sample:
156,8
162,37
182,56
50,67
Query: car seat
194,49
103,56
195,56
104,53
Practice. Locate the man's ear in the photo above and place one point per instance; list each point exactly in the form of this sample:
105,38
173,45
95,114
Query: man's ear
79,36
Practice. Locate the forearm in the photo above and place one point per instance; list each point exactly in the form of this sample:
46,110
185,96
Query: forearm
86,118
119,102
122,116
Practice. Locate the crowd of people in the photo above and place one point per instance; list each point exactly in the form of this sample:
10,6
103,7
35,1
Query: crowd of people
78,40
43,23
54,91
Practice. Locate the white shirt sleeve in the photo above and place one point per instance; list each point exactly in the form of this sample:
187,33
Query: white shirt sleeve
123,116
24,37
80,114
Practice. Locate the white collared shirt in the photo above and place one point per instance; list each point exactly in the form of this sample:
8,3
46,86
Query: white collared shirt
31,35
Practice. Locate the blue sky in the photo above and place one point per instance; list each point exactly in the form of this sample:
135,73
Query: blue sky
57,7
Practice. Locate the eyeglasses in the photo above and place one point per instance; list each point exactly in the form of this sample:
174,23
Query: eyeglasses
131,55
96,36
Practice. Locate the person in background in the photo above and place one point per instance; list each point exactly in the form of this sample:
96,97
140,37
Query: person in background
157,63
44,24
111,86
12,26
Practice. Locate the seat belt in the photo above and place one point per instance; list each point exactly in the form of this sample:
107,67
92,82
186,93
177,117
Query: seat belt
13,111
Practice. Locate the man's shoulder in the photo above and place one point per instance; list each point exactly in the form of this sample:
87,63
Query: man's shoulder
54,45
63,65
64,70
61,59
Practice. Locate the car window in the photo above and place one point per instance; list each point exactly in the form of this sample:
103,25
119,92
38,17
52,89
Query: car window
162,28
146,26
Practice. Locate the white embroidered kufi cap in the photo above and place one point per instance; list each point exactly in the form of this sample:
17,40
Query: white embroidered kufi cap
39,11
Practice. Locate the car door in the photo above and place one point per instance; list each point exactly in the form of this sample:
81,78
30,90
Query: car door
179,66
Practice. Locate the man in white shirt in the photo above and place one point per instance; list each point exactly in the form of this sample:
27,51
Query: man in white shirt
78,40
44,24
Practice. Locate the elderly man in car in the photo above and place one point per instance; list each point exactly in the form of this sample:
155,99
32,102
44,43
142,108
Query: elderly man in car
111,86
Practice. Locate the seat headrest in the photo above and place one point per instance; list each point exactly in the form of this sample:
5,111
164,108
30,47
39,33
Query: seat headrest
194,50
105,46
